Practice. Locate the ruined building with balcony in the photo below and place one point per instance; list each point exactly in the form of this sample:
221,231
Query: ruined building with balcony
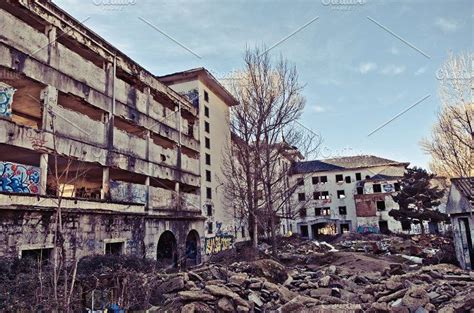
345,194
87,130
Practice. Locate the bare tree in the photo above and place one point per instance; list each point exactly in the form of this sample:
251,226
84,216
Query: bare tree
451,144
266,140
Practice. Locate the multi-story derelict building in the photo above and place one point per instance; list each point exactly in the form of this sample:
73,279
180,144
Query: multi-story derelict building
85,128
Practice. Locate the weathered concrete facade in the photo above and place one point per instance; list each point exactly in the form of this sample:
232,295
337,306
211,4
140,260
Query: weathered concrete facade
213,102
337,195
127,145
460,208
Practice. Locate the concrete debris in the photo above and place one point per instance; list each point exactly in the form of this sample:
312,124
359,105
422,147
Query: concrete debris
316,277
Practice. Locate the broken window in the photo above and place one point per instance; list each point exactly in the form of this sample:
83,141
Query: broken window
323,179
209,209
326,211
317,211
209,193
342,210
358,176
206,96
210,227
206,111
207,143
397,186
114,248
38,255
377,188
316,195
163,157
302,212
300,181
360,190
341,194
243,232
315,180
208,159
206,127
348,179
301,196
190,130
324,195
208,175
381,205
304,230
339,178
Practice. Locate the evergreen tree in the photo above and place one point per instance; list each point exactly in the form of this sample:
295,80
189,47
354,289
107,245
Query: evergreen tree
418,199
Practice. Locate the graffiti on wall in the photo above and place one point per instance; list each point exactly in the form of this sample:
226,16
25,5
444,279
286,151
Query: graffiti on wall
6,99
127,192
218,243
389,188
19,178
367,229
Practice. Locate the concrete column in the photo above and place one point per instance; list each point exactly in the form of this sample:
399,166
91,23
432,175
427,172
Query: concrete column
178,195
44,157
104,194
147,184
49,99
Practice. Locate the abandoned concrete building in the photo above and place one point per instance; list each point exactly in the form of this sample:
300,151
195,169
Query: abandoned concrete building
460,208
345,194
213,101
87,129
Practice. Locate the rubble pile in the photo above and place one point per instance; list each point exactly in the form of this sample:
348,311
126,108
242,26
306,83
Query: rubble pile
426,249
334,281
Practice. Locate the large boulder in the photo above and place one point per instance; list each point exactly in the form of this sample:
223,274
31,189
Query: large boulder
171,285
269,269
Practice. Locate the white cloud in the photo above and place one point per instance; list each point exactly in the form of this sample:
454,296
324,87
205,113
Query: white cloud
446,25
393,70
318,109
364,68
420,71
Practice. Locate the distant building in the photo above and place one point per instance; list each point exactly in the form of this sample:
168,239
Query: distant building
460,208
213,103
345,194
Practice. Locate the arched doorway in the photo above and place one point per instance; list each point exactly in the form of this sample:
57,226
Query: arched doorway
167,249
193,248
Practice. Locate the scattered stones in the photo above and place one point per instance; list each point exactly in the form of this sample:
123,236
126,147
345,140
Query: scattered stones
318,278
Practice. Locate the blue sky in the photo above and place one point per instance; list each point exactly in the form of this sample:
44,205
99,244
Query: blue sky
357,73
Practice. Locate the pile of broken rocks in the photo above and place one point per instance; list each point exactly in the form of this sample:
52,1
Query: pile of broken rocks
341,281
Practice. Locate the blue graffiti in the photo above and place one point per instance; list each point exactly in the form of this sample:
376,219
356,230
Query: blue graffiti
6,97
19,178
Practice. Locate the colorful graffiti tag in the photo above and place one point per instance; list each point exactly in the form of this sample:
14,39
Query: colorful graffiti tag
218,243
6,99
20,178
367,229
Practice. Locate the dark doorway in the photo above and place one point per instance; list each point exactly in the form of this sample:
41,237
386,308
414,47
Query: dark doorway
304,231
344,228
383,227
193,249
166,250
467,238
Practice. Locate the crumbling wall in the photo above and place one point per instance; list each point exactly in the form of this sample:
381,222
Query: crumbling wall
86,233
